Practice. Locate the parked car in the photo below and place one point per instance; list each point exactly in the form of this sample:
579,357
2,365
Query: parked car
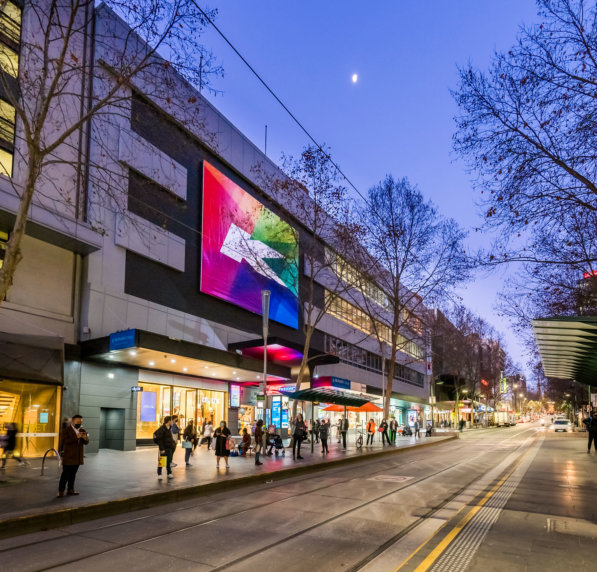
562,425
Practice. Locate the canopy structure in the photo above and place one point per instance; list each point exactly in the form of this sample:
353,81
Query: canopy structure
367,408
328,395
568,347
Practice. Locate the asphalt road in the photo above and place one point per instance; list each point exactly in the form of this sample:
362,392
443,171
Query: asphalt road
520,498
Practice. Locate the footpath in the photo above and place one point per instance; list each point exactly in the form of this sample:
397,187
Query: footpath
113,482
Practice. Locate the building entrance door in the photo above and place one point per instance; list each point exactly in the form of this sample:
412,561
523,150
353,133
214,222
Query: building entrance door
111,429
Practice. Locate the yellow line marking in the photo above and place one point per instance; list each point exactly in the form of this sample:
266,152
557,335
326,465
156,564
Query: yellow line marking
437,551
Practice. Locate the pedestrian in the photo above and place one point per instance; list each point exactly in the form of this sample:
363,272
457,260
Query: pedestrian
245,443
339,430
324,433
208,432
222,445
175,430
316,429
166,445
461,425
344,430
258,435
383,429
370,431
71,454
189,436
393,430
300,433
591,424
9,444
417,428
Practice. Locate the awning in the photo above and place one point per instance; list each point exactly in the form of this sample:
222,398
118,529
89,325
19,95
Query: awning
568,347
328,395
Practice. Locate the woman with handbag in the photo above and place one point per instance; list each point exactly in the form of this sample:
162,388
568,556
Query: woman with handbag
188,438
223,445
383,429
300,432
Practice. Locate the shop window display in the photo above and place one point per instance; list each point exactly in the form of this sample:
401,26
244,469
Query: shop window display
33,407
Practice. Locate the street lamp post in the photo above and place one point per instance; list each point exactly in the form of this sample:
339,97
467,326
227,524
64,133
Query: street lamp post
265,298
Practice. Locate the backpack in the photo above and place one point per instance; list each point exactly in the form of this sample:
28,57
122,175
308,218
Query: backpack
156,436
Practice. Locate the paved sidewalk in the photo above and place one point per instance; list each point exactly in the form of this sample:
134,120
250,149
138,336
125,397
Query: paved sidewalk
116,481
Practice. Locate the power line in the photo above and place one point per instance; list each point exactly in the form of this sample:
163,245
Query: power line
284,106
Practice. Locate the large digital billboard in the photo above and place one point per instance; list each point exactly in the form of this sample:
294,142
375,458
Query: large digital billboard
246,248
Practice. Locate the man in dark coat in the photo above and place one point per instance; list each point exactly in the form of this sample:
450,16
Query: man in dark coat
591,424
344,430
166,444
73,438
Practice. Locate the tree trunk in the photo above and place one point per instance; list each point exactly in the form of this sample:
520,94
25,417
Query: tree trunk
303,367
12,255
389,383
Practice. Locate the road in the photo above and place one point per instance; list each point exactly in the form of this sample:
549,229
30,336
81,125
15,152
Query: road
519,498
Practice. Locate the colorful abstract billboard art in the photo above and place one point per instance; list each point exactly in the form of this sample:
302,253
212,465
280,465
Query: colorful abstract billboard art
246,248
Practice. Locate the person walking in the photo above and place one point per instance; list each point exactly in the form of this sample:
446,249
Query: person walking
258,434
324,433
370,431
9,444
591,424
344,430
175,430
166,445
461,425
393,430
417,428
71,453
208,432
189,437
222,445
300,432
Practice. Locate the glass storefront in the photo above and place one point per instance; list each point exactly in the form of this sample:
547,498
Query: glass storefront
157,401
33,407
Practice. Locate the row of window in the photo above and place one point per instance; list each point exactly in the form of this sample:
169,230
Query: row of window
10,38
350,314
364,359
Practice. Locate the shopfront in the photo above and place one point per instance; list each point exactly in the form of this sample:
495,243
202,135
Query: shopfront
34,408
196,400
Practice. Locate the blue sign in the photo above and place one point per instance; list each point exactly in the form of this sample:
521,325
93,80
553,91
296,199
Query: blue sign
43,417
149,406
123,340
235,396
276,410
340,383
284,419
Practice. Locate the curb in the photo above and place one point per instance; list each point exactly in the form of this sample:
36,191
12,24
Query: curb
74,515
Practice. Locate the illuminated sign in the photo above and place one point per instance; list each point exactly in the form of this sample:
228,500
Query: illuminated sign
589,274
331,381
235,396
276,411
246,248
149,401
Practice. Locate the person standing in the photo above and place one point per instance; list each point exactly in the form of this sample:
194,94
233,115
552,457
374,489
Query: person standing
383,429
189,436
344,430
9,444
591,424
71,453
393,430
222,446
258,441
316,429
245,442
208,433
324,433
370,431
461,425
417,428
166,446
175,430
300,432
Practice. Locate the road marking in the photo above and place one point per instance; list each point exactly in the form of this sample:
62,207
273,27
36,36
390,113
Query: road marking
390,478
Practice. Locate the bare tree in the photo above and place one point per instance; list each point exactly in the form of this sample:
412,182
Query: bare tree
528,131
419,255
52,89
310,190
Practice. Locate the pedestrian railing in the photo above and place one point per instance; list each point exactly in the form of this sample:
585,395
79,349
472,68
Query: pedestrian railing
44,459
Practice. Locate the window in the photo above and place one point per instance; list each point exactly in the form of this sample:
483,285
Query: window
9,60
10,22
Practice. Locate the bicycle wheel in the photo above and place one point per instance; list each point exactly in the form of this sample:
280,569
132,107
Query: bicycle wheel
359,442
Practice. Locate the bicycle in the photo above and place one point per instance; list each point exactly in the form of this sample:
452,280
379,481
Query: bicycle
359,440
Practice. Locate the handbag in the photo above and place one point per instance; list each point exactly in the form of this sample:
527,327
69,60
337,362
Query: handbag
162,461
187,444
229,444
380,429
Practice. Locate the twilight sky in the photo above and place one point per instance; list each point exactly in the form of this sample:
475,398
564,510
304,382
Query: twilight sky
398,117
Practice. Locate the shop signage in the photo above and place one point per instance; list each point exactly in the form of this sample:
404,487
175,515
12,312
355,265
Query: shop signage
122,340
331,381
278,389
284,418
261,398
136,388
149,401
465,410
235,396
210,400
276,411
43,417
